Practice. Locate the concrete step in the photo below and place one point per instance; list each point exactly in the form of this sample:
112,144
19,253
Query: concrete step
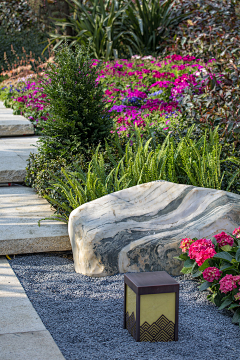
5,110
13,125
1,105
20,210
14,151
22,333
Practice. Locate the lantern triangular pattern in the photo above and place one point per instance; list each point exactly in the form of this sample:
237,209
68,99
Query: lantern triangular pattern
160,330
131,324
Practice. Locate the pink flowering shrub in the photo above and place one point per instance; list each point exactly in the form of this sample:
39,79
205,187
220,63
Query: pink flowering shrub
237,279
217,262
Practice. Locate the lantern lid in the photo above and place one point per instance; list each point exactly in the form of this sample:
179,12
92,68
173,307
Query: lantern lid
151,282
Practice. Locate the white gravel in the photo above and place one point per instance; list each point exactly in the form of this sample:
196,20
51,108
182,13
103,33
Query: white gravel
85,315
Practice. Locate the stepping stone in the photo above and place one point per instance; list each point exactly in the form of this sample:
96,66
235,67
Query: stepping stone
20,210
22,333
140,228
14,125
1,105
4,110
14,152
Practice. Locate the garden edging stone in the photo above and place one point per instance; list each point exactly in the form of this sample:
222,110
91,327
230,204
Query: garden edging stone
140,228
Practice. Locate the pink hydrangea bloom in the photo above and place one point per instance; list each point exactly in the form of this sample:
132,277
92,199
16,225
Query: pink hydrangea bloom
201,250
237,296
212,273
236,232
227,283
204,255
185,244
224,239
237,279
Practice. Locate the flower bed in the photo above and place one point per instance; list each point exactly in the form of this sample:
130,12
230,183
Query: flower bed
141,92
144,91
27,98
217,262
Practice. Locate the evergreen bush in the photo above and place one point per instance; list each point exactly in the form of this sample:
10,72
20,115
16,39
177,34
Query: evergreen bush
77,119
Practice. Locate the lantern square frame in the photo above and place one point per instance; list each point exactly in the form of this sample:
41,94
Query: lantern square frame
151,283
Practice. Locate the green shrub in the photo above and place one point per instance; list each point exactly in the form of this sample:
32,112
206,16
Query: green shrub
186,162
40,170
78,119
138,165
212,32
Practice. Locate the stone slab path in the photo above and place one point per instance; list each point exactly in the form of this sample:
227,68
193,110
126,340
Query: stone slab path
20,210
13,125
14,151
22,333
20,207
2,107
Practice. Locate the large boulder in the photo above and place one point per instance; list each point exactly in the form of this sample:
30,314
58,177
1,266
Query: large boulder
140,228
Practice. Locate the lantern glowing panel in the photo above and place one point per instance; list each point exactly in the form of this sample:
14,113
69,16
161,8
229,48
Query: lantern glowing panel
151,301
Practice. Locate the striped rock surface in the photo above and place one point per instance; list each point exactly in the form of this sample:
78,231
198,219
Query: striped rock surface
140,228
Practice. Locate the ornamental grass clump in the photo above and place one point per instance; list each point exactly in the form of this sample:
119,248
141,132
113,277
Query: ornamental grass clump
77,116
216,262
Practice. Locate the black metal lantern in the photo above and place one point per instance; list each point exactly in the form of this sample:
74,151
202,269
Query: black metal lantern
151,305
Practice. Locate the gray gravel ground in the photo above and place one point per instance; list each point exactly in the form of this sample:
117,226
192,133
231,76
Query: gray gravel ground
85,315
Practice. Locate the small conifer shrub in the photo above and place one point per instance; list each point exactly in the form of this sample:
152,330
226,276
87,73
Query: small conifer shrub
77,119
